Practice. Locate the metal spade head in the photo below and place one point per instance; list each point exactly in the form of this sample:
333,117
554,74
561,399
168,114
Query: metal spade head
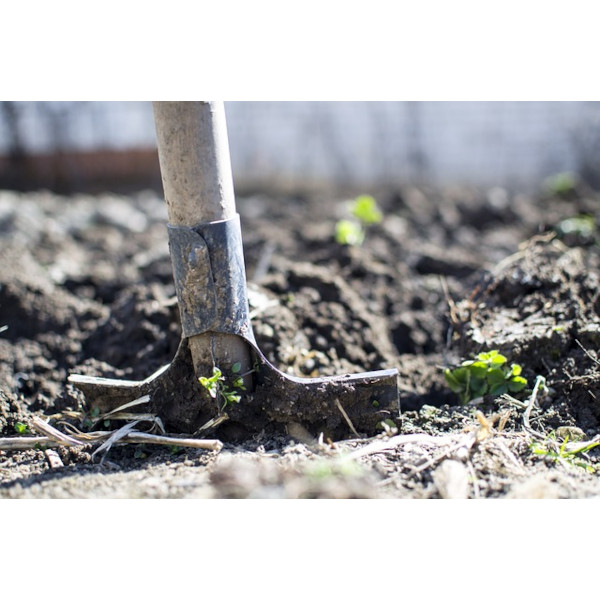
210,281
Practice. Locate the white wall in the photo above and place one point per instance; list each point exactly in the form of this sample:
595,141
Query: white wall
485,143
351,143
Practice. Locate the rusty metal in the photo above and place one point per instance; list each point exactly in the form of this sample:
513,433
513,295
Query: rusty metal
210,278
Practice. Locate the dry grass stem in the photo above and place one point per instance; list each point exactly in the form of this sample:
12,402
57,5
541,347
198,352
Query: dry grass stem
137,402
60,438
137,437
124,435
213,423
587,353
114,437
399,440
27,443
346,418
527,414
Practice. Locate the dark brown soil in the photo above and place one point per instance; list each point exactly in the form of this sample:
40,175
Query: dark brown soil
86,287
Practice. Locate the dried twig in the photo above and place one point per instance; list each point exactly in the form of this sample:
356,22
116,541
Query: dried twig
526,425
399,440
115,437
454,312
54,434
78,438
498,443
346,418
587,352
213,423
460,450
138,437
137,402
27,443
54,459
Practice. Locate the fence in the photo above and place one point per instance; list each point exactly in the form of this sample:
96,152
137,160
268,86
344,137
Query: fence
306,144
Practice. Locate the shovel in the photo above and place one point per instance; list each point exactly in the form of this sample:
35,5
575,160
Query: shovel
209,274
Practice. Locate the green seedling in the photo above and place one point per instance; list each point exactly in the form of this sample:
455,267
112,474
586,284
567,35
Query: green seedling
365,209
20,428
570,455
364,212
349,233
218,388
560,184
91,418
583,226
487,374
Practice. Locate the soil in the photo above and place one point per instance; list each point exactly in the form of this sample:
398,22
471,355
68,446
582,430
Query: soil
86,287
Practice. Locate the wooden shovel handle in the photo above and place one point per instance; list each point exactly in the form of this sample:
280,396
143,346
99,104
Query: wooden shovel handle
196,173
194,161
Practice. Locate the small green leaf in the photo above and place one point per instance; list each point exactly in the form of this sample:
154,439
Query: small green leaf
479,387
20,427
236,367
516,384
454,382
366,210
498,389
498,359
515,370
496,377
478,370
349,233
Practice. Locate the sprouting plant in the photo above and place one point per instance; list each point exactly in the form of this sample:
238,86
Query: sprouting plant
364,212
349,233
487,373
583,226
218,388
561,184
365,209
20,428
568,454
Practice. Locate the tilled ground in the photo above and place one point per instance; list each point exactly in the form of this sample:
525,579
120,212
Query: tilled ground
86,287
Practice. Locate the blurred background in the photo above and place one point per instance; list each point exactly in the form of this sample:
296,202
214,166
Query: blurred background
71,147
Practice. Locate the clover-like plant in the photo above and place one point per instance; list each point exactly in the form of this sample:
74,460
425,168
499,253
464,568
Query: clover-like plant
487,374
218,388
